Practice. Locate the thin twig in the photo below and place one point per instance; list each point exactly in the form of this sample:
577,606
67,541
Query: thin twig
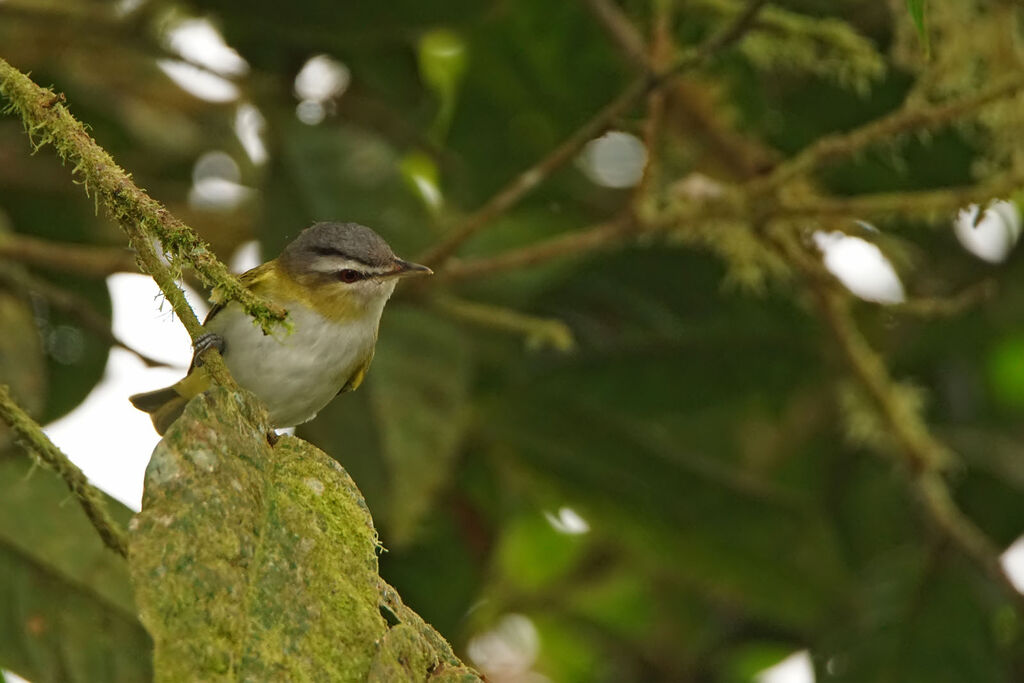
944,307
924,455
907,119
83,259
921,204
48,121
621,30
142,218
515,190
600,236
77,307
923,452
539,332
659,57
89,497
522,184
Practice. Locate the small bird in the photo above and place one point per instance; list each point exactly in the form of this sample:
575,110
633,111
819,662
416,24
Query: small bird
334,280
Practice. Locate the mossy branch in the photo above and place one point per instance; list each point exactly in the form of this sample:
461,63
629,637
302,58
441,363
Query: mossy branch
908,119
921,452
91,500
921,205
48,121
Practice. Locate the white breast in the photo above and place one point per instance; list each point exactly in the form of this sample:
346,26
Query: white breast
298,374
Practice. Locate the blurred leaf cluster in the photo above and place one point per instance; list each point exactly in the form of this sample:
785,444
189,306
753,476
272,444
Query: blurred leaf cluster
678,496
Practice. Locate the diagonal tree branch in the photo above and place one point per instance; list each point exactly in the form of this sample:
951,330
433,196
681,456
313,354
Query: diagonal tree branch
539,332
522,184
77,307
620,29
923,454
48,121
600,236
910,118
84,259
91,500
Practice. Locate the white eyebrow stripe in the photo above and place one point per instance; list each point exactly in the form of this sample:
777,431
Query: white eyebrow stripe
333,264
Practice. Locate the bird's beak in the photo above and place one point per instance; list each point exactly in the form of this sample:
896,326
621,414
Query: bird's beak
407,269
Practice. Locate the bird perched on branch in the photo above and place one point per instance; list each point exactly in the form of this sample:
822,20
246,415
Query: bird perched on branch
334,280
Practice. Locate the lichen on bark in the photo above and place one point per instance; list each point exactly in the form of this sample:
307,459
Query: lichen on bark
253,562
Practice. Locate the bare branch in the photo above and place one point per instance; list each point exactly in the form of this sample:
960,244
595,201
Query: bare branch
83,259
621,30
600,236
79,308
539,332
516,189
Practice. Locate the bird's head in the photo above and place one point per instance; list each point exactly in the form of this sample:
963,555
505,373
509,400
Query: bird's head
345,263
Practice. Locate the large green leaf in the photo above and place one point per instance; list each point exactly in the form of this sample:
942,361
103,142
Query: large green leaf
66,610
283,583
22,363
419,391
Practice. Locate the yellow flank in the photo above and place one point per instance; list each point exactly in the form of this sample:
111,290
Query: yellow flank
357,377
193,384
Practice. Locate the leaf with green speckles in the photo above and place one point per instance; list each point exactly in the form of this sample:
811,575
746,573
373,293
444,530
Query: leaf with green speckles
253,562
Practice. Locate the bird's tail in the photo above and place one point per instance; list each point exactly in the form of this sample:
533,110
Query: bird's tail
166,405
163,405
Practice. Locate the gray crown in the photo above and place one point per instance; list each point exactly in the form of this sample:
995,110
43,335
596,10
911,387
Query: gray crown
349,240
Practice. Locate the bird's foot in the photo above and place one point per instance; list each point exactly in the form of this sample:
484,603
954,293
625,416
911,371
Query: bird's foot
210,340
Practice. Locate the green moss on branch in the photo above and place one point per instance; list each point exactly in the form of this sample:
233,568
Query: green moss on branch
31,436
48,121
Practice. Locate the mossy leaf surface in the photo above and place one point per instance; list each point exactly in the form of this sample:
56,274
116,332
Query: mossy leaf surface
254,562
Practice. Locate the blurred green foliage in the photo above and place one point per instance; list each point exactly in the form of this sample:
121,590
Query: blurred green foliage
696,427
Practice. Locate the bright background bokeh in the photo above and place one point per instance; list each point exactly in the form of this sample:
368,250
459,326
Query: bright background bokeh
695,491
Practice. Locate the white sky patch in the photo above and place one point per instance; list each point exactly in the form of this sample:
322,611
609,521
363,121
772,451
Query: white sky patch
105,435
1013,563
992,235
215,183
322,78
310,112
861,267
796,668
507,652
198,41
247,256
249,127
616,159
200,83
567,521
12,677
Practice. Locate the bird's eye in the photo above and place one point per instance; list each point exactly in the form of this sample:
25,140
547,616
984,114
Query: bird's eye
349,275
